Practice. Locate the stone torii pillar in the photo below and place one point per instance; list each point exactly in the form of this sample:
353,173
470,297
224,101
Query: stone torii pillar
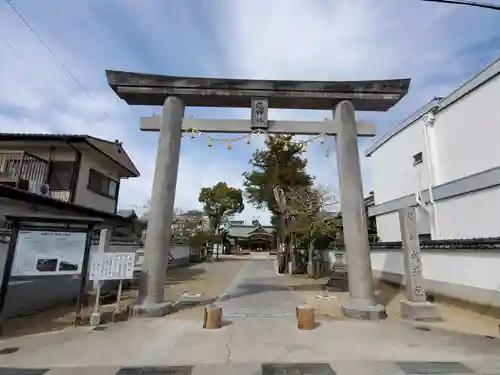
157,245
361,303
176,92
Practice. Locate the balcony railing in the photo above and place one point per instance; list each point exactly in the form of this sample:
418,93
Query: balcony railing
19,168
60,195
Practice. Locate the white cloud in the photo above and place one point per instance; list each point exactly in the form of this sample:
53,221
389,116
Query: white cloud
279,39
354,40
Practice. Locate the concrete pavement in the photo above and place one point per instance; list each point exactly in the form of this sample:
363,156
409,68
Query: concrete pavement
247,342
304,368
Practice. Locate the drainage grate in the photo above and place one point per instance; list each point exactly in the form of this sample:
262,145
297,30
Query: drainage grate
22,371
169,370
438,368
8,350
297,369
423,329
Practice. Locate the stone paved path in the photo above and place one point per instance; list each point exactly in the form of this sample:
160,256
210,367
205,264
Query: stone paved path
262,339
258,292
303,368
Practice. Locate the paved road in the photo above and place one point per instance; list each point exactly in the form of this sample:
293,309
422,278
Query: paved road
263,332
258,292
304,368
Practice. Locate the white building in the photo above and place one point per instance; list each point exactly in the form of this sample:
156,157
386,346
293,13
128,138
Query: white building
445,158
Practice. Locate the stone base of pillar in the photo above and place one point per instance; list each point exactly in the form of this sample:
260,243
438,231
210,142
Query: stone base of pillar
363,310
310,269
421,311
151,311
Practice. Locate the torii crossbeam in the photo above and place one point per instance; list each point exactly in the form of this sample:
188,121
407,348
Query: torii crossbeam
175,93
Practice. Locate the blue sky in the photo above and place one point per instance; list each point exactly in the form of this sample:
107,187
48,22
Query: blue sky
439,46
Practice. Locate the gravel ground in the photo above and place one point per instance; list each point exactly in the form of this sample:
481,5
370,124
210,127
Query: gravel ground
455,317
204,282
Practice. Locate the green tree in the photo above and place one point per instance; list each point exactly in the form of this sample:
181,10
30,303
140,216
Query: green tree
371,223
330,231
280,164
220,202
199,238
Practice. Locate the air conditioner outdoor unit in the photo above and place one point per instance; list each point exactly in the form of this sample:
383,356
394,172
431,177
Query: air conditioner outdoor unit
39,188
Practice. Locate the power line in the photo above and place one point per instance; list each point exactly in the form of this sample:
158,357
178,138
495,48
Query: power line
66,69
9,45
468,3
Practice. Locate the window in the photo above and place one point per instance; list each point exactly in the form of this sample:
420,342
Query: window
103,185
417,158
60,175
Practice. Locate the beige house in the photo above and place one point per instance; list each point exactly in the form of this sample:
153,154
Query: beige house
75,174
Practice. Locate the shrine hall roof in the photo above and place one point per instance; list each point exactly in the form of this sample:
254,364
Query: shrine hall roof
242,230
152,89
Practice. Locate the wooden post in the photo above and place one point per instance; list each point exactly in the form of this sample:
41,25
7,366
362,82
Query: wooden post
97,298
118,299
305,317
213,317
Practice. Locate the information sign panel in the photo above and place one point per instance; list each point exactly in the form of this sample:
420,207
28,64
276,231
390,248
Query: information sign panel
48,253
112,266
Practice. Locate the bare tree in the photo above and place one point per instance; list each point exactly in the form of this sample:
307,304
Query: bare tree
310,204
147,206
308,209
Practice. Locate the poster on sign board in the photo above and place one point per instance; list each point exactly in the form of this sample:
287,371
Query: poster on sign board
112,266
41,253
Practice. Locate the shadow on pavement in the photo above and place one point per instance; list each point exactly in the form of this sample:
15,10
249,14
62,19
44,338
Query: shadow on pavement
251,289
309,287
181,274
190,304
385,293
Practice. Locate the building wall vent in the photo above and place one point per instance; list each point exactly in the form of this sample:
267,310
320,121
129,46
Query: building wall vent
417,158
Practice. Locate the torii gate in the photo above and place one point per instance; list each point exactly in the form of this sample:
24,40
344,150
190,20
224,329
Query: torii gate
175,93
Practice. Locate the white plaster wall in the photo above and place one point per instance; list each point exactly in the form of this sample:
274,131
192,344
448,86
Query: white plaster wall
472,215
394,175
467,133
86,197
388,227
458,272
463,141
388,261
